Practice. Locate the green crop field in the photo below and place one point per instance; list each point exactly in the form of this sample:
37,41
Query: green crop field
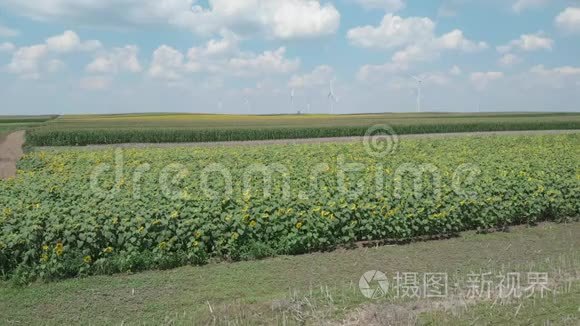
12,123
298,162
74,212
94,217
5,119
156,128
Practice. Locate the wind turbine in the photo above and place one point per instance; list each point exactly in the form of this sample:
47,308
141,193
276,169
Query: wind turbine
332,99
419,83
292,94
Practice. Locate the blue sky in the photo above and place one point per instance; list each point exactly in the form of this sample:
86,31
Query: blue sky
249,56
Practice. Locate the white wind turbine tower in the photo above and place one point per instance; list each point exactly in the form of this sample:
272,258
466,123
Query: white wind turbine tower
332,99
292,94
419,84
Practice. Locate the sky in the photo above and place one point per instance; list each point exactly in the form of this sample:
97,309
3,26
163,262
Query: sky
282,56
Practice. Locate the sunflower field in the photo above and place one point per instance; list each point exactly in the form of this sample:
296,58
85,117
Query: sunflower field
73,212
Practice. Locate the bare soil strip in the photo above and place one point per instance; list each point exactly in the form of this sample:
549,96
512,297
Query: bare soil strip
314,140
10,153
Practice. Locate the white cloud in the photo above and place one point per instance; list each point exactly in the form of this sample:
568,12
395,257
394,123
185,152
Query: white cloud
388,5
128,11
435,79
413,53
211,56
227,45
95,83
455,71
528,42
569,20
8,32
26,61
559,71
115,61
509,59
374,73
482,79
167,63
521,5
221,57
69,41
455,40
7,47
557,77
393,31
429,49
321,75
267,62
55,65
282,19
415,34
303,19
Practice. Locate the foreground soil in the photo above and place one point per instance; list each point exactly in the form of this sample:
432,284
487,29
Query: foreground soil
10,153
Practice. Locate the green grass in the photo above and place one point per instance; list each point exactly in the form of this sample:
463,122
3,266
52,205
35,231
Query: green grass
7,128
310,288
4,119
9,124
156,128
560,309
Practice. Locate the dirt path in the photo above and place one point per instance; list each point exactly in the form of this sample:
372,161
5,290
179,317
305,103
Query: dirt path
10,153
314,140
